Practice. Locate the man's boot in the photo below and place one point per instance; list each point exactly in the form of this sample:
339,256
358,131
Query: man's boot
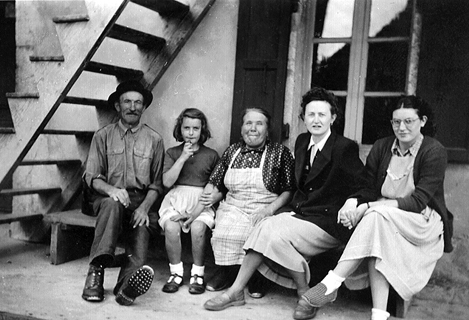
94,290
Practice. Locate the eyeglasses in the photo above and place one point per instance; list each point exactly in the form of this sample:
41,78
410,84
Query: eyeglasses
407,122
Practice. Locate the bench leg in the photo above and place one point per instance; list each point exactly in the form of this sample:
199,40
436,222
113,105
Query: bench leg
402,307
397,306
68,244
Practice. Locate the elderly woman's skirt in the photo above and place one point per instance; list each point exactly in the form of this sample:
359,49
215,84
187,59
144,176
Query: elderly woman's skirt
407,246
287,243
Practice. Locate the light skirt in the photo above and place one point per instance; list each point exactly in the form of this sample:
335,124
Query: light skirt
288,243
183,199
407,246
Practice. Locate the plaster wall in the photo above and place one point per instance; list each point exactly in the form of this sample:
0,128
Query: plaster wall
454,266
202,77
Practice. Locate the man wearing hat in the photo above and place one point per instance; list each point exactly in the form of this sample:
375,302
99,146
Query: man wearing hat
124,173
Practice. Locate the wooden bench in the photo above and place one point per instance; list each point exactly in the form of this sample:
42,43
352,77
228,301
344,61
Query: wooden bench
72,233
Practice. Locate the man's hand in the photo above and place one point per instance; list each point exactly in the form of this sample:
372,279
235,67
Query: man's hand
120,195
140,218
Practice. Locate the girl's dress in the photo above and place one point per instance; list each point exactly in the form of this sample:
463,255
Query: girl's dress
184,196
406,244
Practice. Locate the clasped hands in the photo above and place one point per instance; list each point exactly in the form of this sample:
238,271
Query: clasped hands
139,216
350,214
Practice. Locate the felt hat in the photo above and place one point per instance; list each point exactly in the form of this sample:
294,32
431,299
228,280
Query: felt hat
130,85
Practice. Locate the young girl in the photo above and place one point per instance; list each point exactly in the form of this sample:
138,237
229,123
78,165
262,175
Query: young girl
187,168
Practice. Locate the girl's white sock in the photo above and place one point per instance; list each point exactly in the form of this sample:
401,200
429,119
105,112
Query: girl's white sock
332,282
177,269
198,270
378,314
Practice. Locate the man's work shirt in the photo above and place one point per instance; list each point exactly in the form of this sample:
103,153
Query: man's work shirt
126,158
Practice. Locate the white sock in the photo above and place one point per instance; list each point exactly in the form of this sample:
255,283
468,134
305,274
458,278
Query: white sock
378,314
177,269
332,282
198,270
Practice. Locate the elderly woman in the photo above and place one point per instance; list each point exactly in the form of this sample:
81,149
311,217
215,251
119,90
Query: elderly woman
403,223
327,171
257,177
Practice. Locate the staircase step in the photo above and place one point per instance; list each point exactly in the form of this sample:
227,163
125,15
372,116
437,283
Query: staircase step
142,39
71,18
46,58
67,132
119,72
86,101
8,218
25,191
166,8
7,130
70,162
19,95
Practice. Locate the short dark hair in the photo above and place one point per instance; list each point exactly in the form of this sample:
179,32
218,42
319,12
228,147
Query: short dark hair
319,94
422,108
192,113
261,111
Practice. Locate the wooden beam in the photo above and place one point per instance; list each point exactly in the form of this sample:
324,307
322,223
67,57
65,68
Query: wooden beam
141,39
117,71
25,191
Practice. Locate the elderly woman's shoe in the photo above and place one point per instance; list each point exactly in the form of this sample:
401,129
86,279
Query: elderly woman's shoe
224,301
219,281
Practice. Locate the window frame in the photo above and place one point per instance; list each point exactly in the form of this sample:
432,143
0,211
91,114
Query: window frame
358,61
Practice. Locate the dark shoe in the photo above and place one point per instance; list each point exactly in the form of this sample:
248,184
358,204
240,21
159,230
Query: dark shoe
224,301
94,290
138,283
197,285
304,311
218,282
116,289
258,286
316,296
172,285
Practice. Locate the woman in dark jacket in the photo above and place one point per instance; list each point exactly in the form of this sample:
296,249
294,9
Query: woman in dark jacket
403,223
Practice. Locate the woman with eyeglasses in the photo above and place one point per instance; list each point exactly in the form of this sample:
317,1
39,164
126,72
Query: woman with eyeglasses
402,225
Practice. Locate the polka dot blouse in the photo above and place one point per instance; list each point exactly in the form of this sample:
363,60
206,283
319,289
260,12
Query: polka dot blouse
277,173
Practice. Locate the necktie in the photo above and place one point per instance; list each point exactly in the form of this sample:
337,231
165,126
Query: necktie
313,154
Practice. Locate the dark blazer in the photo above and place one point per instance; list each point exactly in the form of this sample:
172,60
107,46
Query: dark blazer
337,173
429,175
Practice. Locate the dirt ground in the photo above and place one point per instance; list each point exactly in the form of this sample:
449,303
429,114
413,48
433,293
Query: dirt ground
32,288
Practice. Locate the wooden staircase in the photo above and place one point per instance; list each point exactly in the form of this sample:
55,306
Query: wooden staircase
62,90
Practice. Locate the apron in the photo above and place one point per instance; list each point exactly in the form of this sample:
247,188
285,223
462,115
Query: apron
247,194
